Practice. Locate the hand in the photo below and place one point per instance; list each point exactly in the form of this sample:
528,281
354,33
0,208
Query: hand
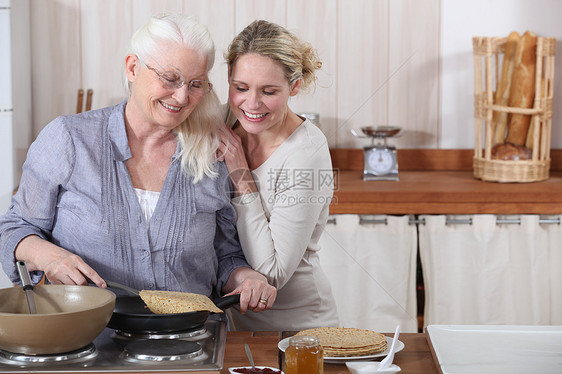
231,151
60,266
255,293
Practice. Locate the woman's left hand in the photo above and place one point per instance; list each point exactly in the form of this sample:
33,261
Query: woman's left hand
255,293
230,148
232,153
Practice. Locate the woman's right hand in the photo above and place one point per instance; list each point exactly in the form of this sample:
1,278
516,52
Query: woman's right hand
59,265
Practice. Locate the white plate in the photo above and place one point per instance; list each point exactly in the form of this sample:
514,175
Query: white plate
283,344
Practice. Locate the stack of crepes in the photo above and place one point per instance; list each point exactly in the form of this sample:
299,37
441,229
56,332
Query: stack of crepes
346,341
169,302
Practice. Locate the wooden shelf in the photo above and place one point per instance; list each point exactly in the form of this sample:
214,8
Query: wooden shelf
446,185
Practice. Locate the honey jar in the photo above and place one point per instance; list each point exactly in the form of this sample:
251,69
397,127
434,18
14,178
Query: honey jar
304,356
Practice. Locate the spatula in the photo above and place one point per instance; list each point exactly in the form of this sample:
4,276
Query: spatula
27,286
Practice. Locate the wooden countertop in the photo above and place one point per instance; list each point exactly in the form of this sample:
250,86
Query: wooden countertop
416,357
439,182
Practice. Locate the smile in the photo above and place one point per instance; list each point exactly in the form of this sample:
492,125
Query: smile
254,116
170,107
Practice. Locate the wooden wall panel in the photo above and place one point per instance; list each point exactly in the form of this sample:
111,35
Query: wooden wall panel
247,11
55,59
413,72
362,65
375,72
106,30
218,15
144,9
315,22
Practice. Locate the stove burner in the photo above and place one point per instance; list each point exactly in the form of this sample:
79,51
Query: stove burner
162,350
164,335
109,357
87,352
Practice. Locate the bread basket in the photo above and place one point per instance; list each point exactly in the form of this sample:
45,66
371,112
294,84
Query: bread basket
488,54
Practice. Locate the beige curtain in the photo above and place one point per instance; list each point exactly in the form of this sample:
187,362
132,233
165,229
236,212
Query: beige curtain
489,272
372,270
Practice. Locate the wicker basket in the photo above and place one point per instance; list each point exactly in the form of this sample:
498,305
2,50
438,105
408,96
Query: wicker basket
487,51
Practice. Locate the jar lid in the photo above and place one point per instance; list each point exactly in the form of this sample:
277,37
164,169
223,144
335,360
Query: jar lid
304,341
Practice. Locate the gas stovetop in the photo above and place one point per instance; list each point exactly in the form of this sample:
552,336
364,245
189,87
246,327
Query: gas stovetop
114,351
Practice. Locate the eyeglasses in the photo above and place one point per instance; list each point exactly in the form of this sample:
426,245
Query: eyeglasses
173,80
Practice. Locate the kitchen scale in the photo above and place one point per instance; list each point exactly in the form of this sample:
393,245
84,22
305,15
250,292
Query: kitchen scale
380,161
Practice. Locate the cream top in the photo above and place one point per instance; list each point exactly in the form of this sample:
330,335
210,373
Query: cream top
147,201
279,228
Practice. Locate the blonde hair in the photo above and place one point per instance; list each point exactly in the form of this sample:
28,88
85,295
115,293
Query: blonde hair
297,58
198,134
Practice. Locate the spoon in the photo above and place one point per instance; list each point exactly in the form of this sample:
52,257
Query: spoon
250,358
385,364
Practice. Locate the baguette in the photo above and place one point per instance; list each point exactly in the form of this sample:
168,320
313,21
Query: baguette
499,119
531,132
522,90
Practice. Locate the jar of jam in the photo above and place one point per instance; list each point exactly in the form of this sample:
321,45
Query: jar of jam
304,356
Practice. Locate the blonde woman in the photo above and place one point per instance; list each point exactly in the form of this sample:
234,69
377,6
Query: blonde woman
133,193
281,172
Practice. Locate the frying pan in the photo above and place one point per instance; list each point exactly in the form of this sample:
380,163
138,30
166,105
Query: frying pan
68,318
132,315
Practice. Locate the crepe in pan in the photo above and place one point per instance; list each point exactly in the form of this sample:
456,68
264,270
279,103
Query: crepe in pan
169,302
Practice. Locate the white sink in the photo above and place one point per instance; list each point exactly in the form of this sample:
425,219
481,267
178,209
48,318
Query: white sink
487,349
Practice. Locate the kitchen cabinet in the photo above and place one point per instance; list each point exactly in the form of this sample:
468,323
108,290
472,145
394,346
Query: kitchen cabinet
477,269
488,269
371,264
489,251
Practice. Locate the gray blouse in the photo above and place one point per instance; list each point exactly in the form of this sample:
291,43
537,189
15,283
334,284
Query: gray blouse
76,192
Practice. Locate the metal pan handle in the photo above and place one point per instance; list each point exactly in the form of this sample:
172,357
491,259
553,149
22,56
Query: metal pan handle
227,301
120,286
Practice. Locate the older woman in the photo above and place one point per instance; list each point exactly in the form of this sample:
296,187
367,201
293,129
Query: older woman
133,193
281,171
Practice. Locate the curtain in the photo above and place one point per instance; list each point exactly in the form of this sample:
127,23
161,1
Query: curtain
489,272
372,270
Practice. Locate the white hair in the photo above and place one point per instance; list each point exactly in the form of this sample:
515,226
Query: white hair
198,134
